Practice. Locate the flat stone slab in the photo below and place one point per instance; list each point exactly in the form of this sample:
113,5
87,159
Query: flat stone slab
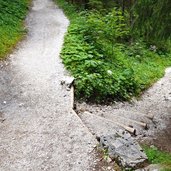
124,150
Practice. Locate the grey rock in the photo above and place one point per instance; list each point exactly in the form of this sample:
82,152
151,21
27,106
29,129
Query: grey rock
68,81
124,149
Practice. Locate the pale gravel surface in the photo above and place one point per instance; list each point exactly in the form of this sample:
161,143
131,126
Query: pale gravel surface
156,100
37,129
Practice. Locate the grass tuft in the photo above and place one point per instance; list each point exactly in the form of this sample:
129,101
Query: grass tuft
12,15
156,156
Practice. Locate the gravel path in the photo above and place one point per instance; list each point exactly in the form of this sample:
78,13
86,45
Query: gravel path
38,131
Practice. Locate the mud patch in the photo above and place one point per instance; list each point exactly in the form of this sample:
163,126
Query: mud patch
103,163
163,139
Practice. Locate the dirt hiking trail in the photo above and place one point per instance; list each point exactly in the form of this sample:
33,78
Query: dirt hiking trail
38,131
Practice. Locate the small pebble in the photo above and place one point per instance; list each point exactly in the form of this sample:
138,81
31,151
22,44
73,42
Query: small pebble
109,160
21,104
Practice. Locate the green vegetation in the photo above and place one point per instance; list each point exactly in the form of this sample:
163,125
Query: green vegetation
157,27
156,156
12,14
105,57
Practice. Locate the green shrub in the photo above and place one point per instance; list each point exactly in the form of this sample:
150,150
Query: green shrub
105,29
95,75
12,14
95,4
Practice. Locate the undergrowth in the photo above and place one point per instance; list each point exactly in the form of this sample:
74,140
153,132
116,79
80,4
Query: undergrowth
104,64
12,14
156,156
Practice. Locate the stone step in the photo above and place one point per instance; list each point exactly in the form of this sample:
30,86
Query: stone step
134,115
112,136
139,126
102,126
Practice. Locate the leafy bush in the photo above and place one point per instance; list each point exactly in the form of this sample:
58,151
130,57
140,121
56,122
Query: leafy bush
105,28
95,4
12,14
94,73
104,65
